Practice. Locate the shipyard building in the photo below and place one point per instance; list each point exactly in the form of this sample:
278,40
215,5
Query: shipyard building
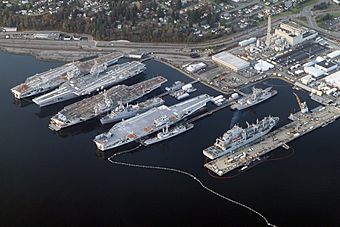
231,61
333,80
294,33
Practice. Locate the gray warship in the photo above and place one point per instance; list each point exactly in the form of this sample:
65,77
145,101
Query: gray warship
124,112
257,96
237,137
149,122
102,103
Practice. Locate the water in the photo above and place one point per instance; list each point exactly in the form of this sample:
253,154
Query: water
50,179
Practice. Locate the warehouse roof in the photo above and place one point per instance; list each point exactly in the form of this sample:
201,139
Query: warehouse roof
230,59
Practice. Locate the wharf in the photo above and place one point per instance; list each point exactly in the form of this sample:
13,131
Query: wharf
168,92
301,125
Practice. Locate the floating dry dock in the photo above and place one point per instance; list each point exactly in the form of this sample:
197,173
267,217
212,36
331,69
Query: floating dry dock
100,78
99,104
53,78
301,125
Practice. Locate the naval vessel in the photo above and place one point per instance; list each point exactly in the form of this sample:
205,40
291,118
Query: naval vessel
167,133
53,78
257,96
237,137
149,122
102,103
125,112
98,79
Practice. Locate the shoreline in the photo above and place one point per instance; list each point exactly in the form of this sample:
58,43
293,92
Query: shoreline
52,55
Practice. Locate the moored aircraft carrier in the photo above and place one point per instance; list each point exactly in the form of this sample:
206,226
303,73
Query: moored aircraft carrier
102,103
100,78
149,122
53,78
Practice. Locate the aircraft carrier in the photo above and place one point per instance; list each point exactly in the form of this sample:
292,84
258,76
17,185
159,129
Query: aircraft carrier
100,78
237,137
149,122
125,112
102,103
257,96
53,78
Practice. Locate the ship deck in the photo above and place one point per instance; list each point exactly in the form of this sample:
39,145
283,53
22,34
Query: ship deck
85,108
54,77
142,124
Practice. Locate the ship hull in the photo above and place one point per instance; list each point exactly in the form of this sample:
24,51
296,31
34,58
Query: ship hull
213,153
238,106
171,134
148,123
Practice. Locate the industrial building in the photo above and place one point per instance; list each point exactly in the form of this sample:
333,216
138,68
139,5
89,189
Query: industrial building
294,33
8,29
263,66
231,61
333,80
326,66
334,54
313,71
307,79
247,42
196,67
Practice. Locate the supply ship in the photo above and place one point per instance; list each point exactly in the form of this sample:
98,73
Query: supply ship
125,112
98,79
102,103
53,78
237,137
149,122
257,96
167,133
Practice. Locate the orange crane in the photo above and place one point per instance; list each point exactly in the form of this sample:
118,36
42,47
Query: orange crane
302,105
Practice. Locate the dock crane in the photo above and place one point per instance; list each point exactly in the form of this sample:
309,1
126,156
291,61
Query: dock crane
302,105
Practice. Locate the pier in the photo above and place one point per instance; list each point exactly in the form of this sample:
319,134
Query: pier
301,125
210,112
168,92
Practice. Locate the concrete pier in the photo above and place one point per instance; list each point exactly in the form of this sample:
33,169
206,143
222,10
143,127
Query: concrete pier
301,124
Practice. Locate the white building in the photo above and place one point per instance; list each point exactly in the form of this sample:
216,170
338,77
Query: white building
315,72
231,61
263,66
195,67
9,29
326,66
333,80
307,79
294,33
334,54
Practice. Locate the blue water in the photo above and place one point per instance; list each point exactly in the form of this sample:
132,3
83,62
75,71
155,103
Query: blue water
49,179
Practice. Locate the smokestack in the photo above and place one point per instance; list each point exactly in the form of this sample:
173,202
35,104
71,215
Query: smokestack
269,31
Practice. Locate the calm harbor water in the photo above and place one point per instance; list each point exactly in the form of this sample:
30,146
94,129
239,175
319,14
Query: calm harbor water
50,179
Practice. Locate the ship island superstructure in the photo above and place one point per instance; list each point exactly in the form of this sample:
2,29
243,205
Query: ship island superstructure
98,79
127,111
53,78
237,137
257,96
149,122
102,103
